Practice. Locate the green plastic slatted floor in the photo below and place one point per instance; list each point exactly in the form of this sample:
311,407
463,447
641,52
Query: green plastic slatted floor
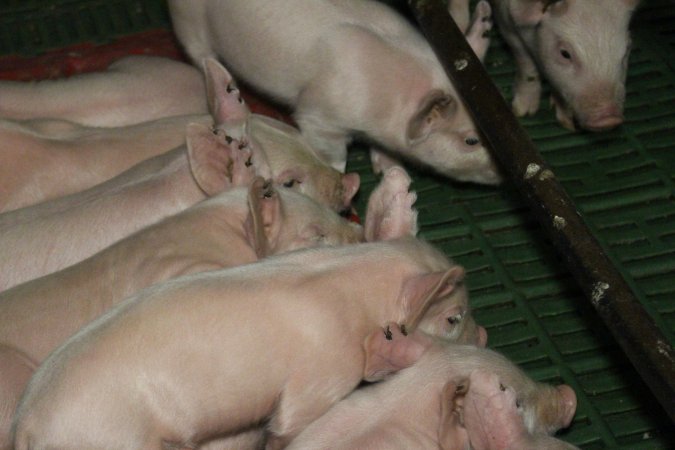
623,181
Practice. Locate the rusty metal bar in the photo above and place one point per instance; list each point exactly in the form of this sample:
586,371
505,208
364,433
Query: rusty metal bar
641,340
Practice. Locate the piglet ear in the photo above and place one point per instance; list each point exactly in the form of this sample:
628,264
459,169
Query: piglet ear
420,291
264,222
217,163
388,350
390,212
451,434
226,105
350,186
436,108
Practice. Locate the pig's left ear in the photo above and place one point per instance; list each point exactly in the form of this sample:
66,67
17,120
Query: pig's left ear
435,109
420,291
264,219
388,350
228,109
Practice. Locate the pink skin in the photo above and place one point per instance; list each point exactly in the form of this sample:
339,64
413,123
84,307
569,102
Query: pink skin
39,240
235,228
493,419
42,159
390,216
350,68
582,47
292,162
45,159
430,386
190,313
132,90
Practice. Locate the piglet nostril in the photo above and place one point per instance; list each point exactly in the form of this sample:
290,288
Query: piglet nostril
471,141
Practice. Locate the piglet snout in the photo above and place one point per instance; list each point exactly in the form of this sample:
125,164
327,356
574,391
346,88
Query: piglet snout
568,404
604,118
482,337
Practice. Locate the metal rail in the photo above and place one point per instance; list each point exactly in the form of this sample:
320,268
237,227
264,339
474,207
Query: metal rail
641,340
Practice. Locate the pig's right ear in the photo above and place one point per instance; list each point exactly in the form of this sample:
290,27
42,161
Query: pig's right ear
420,291
388,350
224,99
434,111
217,164
264,216
390,213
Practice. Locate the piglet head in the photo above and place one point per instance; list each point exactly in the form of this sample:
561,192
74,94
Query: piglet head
281,221
441,135
491,414
583,48
438,305
295,165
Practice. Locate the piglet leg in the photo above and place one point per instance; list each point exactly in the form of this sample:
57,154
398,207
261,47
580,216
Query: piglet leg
527,85
481,23
563,112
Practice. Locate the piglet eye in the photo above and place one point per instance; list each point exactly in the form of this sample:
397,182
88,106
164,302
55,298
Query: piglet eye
290,183
471,141
565,54
454,320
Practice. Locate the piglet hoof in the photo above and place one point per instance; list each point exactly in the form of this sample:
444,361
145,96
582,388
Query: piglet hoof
381,161
482,18
563,113
526,96
481,24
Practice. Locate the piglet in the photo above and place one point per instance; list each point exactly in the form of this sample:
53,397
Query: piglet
389,215
43,159
49,158
417,407
132,90
292,335
236,227
492,417
350,68
580,46
292,162
45,238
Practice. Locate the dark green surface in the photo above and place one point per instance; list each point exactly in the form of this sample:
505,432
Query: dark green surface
623,181
28,27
